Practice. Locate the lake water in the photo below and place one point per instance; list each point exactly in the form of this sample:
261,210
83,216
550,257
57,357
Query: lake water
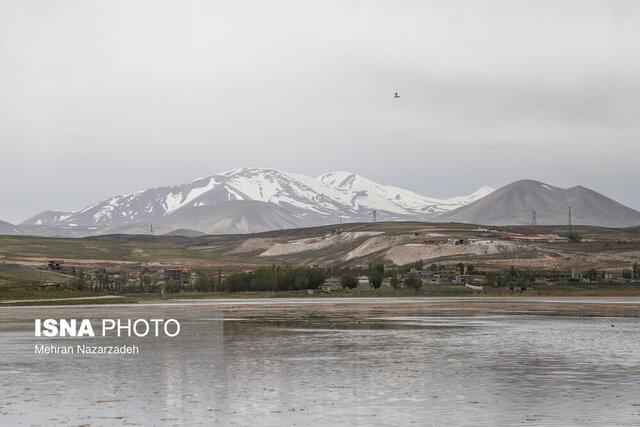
433,361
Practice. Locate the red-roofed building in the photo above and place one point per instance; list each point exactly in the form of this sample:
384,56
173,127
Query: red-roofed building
173,273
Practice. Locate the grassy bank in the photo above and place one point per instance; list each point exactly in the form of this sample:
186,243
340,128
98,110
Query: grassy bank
81,301
24,292
574,289
438,290
13,287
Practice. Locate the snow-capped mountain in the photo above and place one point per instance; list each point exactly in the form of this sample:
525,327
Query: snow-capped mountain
364,193
307,200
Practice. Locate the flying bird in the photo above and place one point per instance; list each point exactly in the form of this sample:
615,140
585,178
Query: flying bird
396,95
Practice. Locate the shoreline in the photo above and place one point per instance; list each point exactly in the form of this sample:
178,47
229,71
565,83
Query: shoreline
129,299
367,307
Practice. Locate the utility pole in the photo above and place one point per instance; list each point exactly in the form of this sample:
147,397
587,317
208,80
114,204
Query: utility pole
374,216
570,231
151,230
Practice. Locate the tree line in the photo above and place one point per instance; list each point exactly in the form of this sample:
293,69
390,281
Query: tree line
275,278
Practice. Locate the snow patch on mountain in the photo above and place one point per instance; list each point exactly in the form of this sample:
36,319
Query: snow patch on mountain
371,195
172,202
320,200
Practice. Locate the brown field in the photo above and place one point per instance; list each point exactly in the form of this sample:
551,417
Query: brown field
357,245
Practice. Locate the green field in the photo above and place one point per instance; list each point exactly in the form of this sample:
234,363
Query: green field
113,250
33,275
12,287
607,246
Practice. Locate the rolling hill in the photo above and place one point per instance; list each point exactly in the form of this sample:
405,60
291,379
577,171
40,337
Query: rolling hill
513,205
7,228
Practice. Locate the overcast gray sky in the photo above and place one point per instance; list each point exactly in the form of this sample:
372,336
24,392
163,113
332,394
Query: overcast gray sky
103,98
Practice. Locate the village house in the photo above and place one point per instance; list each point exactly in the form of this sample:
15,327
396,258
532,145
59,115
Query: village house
448,276
174,273
55,264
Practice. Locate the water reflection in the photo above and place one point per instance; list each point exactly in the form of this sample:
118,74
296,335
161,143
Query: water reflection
313,365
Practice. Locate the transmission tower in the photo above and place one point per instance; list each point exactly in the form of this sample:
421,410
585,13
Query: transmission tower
374,216
533,218
570,231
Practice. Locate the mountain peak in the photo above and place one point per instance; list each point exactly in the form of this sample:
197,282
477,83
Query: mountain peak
316,201
347,180
249,171
514,204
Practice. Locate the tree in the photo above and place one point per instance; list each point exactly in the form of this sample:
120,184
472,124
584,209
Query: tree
418,265
145,284
508,277
491,279
433,268
376,275
217,284
395,283
172,286
237,282
636,271
412,281
512,272
461,268
275,278
104,281
81,280
120,280
470,269
375,279
185,276
348,281
78,281
202,282
591,274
